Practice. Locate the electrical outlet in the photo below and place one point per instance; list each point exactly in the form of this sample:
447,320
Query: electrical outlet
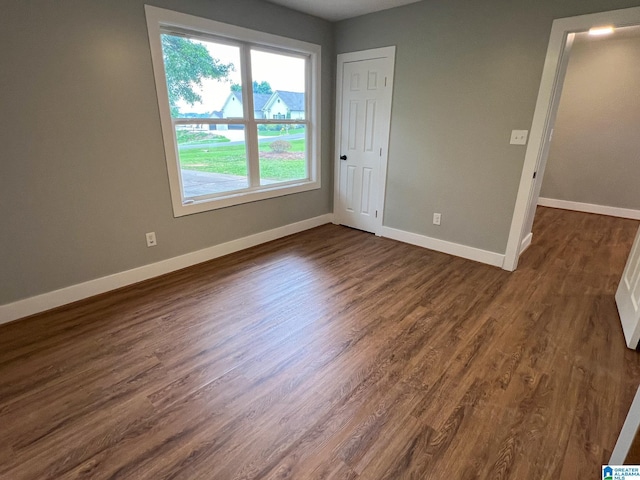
151,239
519,137
437,217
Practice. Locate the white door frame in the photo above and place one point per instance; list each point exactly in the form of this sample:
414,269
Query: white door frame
542,124
389,54
527,227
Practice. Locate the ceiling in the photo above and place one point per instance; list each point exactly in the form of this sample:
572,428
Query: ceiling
334,10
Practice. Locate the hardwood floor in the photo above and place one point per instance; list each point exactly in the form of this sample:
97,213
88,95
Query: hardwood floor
333,354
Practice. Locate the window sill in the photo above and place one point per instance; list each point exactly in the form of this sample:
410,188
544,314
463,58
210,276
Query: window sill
244,196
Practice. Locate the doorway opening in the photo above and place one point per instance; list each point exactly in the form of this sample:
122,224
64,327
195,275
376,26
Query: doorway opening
592,163
561,41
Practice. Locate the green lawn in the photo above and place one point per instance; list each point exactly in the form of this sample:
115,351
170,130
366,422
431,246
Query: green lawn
232,160
276,133
187,137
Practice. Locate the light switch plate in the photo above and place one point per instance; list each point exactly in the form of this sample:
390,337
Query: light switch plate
151,239
519,137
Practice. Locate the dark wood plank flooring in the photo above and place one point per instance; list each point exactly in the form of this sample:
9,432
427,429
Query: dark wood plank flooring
333,354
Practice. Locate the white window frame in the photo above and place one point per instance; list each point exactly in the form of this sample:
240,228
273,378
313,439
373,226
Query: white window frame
159,21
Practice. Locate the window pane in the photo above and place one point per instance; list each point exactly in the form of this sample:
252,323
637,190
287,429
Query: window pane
283,153
203,78
278,85
209,162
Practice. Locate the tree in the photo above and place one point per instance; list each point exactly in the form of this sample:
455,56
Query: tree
187,64
262,87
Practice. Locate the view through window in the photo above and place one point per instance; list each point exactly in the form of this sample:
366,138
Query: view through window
240,113
204,82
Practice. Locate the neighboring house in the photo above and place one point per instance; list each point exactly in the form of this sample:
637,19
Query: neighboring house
232,107
279,105
285,105
215,114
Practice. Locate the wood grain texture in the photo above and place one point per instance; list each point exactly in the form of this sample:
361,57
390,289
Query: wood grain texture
333,354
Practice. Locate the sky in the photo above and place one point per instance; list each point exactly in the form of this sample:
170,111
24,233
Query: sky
281,71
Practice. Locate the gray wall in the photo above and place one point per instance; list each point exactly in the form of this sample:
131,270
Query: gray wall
467,73
595,152
82,168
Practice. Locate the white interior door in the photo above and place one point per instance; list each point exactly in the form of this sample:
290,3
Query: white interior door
364,116
628,296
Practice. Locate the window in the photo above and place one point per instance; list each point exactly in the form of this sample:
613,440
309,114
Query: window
239,111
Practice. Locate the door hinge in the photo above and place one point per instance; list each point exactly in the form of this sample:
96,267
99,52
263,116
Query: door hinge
385,81
376,213
380,151
534,174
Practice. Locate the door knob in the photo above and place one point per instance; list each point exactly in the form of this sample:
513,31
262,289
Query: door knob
343,157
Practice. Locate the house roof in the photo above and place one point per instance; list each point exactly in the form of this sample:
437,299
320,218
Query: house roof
259,99
293,100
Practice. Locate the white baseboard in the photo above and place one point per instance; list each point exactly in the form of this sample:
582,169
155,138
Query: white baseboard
471,253
526,242
57,298
590,208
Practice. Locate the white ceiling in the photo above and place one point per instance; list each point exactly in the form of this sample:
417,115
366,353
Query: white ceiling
334,10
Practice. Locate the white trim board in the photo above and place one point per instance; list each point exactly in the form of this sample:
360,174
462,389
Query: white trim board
47,301
526,242
464,251
589,208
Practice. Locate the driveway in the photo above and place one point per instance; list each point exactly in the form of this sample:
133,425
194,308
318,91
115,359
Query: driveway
197,183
